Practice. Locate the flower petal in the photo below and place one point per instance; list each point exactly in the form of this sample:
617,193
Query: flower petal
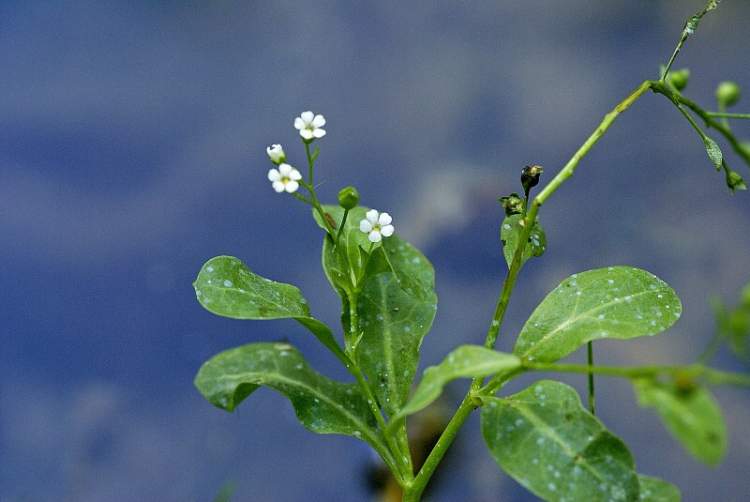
365,226
307,116
385,219
285,169
319,121
306,133
278,186
387,230
372,216
295,175
274,175
319,133
292,186
299,123
375,236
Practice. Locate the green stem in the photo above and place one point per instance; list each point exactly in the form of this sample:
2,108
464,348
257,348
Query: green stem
341,226
592,395
711,375
707,118
310,163
414,491
728,115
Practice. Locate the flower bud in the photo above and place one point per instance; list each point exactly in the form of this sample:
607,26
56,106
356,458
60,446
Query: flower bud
530,177
727,93
276,154
679,78
513,204
348,197
735,181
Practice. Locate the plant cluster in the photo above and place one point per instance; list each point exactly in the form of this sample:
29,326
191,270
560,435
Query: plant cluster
543,436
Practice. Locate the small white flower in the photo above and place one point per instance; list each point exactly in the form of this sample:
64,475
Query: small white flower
285,178
276,154
376,225
310,125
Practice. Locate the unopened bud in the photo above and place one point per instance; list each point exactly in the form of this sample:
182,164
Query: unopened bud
727,93
513,204
735,181
348,197
679,78
276,154
530,177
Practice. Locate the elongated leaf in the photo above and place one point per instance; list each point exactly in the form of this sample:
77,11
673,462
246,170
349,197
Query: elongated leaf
613,302
547,441
396,304
392,324
225,286
714,152
467,361
692,416
657,490
322,405
510,235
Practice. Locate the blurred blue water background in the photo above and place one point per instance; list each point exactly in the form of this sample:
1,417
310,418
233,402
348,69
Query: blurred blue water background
132,149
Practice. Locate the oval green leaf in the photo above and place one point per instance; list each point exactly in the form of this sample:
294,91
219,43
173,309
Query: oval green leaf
467,361
613,302
544,439
227,287
322,405
657,490
510,235
714,152
692,416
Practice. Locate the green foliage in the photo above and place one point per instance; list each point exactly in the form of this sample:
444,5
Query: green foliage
544,439
226,287
467,361
691,414
393,291
510,234
613,302
322,405
657,490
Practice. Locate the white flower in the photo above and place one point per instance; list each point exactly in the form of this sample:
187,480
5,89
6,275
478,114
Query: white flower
309,125
276,154
284,178
376,225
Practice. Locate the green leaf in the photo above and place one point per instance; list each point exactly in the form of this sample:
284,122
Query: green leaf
322,405
714,152
467,361
344,262
613,302
510,235
396,303
226,287
393,322
544,439
657,490
692,416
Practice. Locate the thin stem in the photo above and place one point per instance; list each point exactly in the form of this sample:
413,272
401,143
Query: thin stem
310,163
414,492
728,115
680,43
592,395
301,198
341,226
711,375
